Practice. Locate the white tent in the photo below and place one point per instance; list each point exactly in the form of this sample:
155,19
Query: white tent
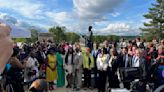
18,32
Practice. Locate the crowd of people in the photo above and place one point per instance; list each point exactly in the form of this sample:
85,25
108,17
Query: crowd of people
76,67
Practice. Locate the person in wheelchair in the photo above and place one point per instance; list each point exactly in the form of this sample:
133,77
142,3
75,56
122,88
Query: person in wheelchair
140,62
125,63
136,71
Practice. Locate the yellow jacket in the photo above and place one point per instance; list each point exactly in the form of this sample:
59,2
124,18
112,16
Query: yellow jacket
86,61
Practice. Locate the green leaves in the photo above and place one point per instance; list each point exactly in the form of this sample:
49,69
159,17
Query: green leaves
155,26
60,34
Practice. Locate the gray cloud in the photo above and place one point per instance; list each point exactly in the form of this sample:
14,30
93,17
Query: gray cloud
91,9
88,12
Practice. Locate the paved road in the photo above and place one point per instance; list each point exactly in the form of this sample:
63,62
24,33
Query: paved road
71,90
94,90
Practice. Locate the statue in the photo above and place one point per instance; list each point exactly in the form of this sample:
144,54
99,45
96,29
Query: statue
90,38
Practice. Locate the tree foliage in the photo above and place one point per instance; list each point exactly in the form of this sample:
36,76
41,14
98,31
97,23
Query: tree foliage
101,38
19,39
58,33
155,27
34,36
72,37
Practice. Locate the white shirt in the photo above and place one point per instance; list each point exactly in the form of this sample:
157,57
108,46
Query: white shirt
102,62
110,61
43,55
69,66
136,62
33,64
69,59
94,52
138,43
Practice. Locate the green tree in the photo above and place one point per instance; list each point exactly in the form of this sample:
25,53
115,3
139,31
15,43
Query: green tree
72,37
155,27
101,38
58,33
113,38
20,39
34,36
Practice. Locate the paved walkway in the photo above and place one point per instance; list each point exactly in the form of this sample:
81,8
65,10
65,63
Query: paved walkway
88,90
71,90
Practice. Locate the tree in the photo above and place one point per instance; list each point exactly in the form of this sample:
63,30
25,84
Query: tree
155,27
34,36
58,33
101,38
112,38
72,37
20,39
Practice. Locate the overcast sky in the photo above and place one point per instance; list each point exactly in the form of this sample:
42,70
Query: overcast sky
120,17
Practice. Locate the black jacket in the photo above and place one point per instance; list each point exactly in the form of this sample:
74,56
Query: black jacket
122,60
143,68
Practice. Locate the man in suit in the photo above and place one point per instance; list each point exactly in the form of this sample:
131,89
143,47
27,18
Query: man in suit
124,58
124,62
107,47
77,68
95,53
140,62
